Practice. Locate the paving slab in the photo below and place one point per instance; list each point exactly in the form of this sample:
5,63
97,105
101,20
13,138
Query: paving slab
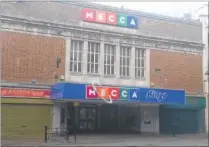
117,140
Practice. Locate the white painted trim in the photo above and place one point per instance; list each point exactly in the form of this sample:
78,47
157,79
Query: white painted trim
147,69
132,66
67,59
85,57
117,62
101,60
34,32
148,113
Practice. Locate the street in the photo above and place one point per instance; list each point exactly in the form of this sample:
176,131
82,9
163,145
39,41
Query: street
119,140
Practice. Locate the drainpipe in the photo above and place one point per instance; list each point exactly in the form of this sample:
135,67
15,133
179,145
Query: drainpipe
207,102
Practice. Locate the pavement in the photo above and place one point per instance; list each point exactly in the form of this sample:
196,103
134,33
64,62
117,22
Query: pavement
116,140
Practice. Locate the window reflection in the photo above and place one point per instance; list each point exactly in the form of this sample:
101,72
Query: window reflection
109,59
87,118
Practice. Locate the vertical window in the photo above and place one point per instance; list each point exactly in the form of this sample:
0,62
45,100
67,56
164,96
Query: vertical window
76,55
125,60
109,59
62,115
93,58
140,63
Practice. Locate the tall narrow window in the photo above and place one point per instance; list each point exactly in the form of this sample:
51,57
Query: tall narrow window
140,63
125,60
93,58
76,55
62,115
109,59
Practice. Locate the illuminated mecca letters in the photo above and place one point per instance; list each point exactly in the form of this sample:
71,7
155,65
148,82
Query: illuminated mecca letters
96,91
131,94
114,93
110,18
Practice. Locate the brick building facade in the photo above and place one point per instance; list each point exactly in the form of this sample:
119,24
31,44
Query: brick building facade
157,51
27,57
178,71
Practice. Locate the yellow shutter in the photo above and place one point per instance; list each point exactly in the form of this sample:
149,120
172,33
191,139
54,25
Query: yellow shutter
25,120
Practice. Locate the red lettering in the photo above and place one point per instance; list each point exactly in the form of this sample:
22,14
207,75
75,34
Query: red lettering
88,15
114,93
111,18
101,17
28,93
90,92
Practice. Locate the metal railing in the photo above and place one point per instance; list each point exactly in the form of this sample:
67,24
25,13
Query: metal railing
66,132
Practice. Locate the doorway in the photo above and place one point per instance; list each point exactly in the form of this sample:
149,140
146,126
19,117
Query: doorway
109,118
87,119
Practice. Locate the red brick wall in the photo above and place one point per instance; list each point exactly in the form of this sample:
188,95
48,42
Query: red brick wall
178,70
26,57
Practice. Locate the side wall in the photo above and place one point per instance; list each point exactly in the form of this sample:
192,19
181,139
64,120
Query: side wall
57,125
176,70
27,57
25,118
205,35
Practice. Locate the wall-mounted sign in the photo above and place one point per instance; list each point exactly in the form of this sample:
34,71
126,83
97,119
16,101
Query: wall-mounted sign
76,104
136,94
23,92
110,18
77,91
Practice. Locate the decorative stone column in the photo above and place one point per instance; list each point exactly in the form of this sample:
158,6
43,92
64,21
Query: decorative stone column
84,57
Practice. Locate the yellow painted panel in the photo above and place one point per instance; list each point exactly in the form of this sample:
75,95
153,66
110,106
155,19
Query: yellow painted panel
25,121
25,101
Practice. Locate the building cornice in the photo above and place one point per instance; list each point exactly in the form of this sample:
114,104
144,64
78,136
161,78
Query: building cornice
81,28
134,12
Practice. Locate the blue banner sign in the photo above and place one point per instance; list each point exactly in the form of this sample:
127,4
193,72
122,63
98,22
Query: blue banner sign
166,96
142,95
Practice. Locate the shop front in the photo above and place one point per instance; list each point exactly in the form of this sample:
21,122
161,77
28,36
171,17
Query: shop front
132,109
188,119
25,112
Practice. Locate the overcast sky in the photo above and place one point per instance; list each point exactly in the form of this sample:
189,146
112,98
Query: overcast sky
175,9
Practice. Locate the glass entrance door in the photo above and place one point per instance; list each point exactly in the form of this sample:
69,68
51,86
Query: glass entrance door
87,119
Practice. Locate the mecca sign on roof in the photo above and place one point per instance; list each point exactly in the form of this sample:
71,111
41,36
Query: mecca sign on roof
110,18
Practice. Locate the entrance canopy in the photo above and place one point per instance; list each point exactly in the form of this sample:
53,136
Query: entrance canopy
85,92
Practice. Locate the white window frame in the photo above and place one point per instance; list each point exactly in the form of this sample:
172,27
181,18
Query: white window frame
140,62
93,57
109,59
76,51
125,61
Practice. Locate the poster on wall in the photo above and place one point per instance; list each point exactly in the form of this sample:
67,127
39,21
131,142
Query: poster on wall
147,117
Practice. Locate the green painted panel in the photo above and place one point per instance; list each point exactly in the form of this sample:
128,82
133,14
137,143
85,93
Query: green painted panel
196,101
25,121
122,20
186,121
124,94
186,107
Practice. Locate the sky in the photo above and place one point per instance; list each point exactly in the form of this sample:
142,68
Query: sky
174,9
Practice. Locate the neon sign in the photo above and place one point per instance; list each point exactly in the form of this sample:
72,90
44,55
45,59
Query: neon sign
115,93
110,18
